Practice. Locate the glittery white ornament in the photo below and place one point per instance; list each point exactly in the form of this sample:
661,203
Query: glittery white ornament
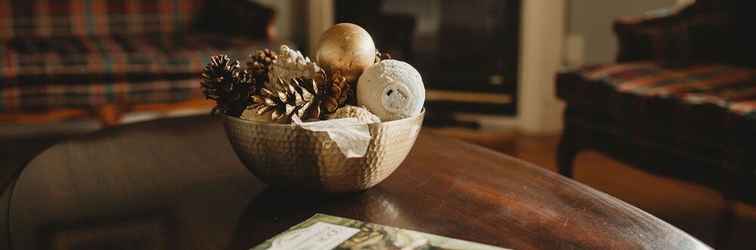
392,90
292,64
360,113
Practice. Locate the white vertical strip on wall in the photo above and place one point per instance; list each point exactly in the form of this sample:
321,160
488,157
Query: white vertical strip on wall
542,38
320,18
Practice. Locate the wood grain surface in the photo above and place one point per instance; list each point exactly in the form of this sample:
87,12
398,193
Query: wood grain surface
176,184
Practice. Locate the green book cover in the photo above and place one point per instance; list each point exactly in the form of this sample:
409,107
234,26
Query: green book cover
325,232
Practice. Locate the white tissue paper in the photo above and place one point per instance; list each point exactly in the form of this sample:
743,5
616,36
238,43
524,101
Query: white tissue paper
351,136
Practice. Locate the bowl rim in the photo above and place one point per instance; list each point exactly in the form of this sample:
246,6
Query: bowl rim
238,119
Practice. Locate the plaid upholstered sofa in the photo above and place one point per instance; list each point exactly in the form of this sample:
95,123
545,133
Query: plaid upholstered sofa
680,101
89,54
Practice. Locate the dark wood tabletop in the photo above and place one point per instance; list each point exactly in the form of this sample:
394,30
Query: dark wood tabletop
176,184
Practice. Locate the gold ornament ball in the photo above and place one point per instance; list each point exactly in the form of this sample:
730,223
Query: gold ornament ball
347,48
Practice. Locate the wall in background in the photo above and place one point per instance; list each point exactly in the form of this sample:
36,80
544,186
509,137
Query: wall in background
590,38
290,20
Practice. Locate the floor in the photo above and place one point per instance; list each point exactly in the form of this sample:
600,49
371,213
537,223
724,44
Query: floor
692,208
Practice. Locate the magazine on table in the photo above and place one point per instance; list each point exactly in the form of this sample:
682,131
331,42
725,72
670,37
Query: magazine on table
325,232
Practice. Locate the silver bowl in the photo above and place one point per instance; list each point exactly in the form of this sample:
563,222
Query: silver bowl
290,157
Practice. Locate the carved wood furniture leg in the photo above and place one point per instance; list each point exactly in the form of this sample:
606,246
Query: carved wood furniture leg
726,224
732,192
109,115
567,150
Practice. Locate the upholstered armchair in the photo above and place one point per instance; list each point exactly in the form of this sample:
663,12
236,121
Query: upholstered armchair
680,101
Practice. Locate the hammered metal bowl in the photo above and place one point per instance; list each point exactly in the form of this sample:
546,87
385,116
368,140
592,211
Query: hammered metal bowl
290,157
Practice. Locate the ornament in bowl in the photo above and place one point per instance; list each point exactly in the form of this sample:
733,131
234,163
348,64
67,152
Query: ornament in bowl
341,123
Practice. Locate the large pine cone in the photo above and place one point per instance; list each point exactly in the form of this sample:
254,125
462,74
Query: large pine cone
290,98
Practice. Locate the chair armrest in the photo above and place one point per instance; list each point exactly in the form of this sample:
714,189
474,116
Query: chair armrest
677,38
635,34
238,18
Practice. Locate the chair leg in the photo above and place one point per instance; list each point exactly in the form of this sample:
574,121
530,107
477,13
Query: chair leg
567,150
726,224
732,192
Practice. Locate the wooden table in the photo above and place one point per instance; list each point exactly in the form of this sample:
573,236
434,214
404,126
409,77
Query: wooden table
177,184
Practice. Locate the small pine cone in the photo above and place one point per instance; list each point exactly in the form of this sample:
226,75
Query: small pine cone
337,92
224,82
258,65
261,60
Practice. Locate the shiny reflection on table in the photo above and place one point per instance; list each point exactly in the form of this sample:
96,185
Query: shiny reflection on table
176,184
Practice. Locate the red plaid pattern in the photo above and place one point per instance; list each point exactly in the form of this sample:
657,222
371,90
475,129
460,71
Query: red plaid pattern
89,71
45,18
92,94
114,55
733,88
700,106
85,53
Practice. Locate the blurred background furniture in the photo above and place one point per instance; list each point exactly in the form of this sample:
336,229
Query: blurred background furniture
680,101
65,59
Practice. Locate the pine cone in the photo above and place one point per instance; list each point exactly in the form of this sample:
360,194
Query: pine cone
258,65
224,82
290,63
338,91
289,98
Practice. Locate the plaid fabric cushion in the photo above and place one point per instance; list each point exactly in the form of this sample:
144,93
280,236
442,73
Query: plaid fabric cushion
85,53
38,74
732,88
93,94
710,109
22,18
24,58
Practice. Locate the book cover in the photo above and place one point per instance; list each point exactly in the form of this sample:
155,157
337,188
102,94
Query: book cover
325,232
